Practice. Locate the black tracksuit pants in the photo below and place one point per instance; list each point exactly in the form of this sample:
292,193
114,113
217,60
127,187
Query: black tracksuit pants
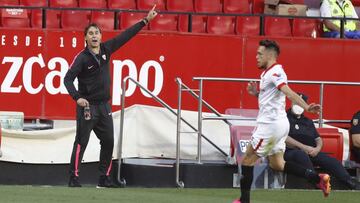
101,123
330,164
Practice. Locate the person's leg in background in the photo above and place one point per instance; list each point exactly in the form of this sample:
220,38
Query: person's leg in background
298,156
352,34
322,181
335,168
332,34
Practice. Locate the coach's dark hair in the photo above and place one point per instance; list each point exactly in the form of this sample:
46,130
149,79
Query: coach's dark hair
270,44
89,26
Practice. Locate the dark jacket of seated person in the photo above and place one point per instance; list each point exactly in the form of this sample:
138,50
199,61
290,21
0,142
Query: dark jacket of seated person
355,135
303,145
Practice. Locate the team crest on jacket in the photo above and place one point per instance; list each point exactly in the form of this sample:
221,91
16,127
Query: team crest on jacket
104,57
355,121
297,127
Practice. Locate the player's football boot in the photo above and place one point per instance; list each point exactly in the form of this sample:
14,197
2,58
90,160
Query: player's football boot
324,184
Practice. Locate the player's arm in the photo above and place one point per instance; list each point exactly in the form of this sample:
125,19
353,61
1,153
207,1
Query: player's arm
295,98
115,43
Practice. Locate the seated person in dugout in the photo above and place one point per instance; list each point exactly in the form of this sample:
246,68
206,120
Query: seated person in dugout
339,9
355,136
303,145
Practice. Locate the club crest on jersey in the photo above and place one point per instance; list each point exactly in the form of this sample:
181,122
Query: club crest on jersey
355,121
104,57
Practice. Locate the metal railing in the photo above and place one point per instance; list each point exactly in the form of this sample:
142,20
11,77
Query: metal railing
122,115
183,88
200,99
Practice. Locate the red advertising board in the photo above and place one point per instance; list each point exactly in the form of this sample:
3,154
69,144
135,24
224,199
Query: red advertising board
32,70
34,62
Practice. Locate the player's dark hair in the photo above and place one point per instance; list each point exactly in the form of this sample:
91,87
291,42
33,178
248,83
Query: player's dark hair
270,45
89,26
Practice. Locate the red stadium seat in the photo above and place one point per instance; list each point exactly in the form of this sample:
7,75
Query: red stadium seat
105,19
258,6
36,18
221,25
75,19
275,26
355,2
148,4
92,4
247,25
9,2
15,18
304,27
39,3
208,6
240,134
63,3
122,4
198,23
183,5
52,18
128,19
333,142
164,22
236,6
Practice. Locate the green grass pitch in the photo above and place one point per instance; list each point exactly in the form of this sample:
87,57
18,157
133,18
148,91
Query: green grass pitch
90,194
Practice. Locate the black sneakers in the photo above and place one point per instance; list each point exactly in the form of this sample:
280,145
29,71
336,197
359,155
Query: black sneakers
74,181
105,182
352,184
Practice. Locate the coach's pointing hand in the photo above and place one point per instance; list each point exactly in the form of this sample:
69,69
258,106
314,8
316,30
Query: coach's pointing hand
151,15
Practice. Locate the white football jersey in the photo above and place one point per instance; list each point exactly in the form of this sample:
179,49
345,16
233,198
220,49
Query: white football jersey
271,99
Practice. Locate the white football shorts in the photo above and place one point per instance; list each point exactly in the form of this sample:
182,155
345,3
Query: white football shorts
269,138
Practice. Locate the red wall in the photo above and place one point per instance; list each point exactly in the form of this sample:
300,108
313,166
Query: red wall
176,55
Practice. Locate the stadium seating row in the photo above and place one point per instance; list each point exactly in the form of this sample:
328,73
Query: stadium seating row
242,25
226,6
210,6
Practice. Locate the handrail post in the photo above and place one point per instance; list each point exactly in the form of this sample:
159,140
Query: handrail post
122,115
199,121
321,119
178,128
342,28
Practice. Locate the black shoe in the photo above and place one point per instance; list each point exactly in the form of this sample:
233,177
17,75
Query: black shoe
105,182
74,181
